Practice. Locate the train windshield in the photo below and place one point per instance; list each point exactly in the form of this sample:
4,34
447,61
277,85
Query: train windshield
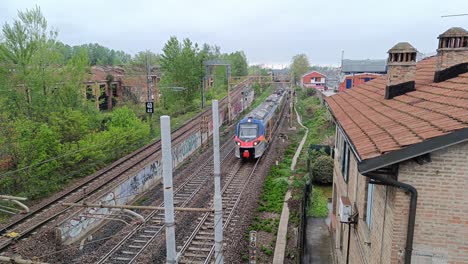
248,132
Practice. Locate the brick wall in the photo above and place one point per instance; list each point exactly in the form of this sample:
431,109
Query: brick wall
367,246
449,57
441,232
401,72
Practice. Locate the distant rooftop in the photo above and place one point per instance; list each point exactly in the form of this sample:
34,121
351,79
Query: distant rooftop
280,71
360,66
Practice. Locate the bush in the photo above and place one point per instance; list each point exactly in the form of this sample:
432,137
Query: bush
322,170
311,91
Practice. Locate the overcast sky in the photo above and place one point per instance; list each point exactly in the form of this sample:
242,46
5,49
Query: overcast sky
269,32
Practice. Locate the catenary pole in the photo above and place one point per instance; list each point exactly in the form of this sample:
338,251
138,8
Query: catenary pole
218,214
168,191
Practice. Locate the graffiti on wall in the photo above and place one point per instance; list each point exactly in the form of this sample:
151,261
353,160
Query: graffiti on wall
185,148
74,228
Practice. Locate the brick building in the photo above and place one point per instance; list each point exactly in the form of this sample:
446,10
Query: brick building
401,162
357,72
313,79
351,80
107,85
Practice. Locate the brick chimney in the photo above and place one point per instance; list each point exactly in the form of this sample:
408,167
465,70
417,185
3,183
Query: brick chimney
452,54
401,70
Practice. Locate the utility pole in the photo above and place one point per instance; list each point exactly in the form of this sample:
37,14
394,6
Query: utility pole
171,254
218,206
203,92
228,74
150,93
342,57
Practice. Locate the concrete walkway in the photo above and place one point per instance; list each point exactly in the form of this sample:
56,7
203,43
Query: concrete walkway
317,247
281,239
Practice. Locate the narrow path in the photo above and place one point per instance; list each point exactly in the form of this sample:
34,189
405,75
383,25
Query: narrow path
317,248
281,239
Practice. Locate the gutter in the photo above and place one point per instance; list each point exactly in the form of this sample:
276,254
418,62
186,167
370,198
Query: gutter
380,179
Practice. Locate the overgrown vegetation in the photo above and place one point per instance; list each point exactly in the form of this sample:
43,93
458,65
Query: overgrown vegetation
276,183
322,169
50,134
318,204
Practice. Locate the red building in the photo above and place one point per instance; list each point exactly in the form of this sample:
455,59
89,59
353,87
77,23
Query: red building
352,80
313,79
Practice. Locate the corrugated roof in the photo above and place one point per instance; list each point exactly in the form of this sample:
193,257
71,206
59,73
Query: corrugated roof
376,126
356,66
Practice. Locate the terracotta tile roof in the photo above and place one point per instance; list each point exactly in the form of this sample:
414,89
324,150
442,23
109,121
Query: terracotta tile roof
376,126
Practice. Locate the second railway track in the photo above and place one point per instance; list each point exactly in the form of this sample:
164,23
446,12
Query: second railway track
133,244
48,211
199,247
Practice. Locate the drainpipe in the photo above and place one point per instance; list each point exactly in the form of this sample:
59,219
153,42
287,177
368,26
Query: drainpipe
412,209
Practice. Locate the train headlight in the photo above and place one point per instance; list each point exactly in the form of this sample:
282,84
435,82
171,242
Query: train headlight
238,143
255,143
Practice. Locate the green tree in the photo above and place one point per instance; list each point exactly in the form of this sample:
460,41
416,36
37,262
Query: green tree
182,66
22,40
299,66
138,62
239,63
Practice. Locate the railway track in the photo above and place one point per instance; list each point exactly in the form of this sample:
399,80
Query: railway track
199,247
48,211
45,213
133,244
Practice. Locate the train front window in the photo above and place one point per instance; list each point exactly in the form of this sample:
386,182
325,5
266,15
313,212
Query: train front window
248,132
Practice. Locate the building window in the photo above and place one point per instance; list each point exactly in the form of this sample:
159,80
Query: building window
369,204
339,144
343,150
349,83
345,161
367,79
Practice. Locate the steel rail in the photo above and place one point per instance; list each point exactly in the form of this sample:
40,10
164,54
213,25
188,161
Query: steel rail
99,175
237,197
150,216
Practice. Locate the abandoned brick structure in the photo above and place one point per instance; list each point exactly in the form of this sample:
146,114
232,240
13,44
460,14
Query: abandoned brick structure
402,160
109,84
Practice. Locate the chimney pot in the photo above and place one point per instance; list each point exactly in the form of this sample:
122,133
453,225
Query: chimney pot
452,54
401,70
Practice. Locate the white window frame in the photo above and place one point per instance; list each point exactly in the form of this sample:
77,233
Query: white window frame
369,204
345,152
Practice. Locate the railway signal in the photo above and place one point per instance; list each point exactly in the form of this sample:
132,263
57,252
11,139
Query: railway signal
149,107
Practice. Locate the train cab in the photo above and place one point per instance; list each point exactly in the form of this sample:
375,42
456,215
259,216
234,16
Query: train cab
250,138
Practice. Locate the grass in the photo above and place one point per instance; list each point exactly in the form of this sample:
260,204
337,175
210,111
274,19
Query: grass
269,225
276,183
268,251
326,190
318,204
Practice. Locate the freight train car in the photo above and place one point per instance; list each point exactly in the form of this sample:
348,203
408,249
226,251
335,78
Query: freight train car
254,132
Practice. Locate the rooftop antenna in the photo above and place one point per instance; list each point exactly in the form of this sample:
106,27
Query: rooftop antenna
342,56
454,15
